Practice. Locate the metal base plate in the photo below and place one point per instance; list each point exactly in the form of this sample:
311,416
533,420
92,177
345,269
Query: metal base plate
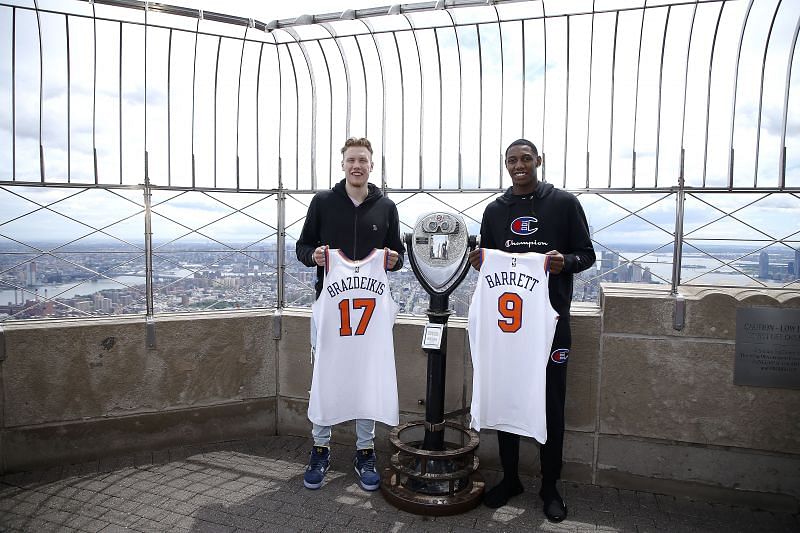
424,504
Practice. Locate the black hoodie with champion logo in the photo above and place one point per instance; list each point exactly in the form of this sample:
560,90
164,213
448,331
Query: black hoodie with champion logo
547,219
334,220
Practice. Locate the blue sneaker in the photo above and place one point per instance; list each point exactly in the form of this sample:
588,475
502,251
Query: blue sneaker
364,463
318,462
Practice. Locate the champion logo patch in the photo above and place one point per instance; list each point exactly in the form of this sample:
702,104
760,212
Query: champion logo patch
524,225
560,356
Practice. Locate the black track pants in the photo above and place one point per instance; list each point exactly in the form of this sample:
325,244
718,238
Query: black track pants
551,453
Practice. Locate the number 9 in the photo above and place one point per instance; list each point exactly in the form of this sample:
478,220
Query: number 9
509,305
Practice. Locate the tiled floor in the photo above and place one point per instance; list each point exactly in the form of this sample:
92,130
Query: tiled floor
257,486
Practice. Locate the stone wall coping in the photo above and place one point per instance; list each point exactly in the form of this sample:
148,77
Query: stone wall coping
690,292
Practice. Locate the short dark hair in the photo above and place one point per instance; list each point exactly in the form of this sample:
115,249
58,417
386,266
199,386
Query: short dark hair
523,142
353,141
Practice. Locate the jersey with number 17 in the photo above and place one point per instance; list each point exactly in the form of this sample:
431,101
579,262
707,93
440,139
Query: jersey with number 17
354,373
511,328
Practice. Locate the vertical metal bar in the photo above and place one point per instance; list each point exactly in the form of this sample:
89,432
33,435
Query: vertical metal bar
441,102
786,112
566,115
14,95
383,106
480,106
148,220
41,91
421,99
119,100
346,78
544,95
636,97
281,260
330,108
685,92
402,112
613,80
238,101
502,97
69,104
148,243
281,244
146,8
216,97
660,91
761,93
169,110
280,114
589,93
194,90
708,91
313,81
94,93
735,89
296,119
524,77
366,86
281,189
258,116
678,251
461,97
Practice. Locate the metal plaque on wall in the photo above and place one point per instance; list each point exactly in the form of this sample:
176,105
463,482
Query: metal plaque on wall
767,347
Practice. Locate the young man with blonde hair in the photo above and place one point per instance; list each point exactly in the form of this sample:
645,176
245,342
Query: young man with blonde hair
356,218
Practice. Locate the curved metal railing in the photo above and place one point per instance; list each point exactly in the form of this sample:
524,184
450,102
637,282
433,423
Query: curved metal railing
673,120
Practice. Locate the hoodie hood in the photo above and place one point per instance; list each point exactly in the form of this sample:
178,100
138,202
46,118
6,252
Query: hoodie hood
542,189
373,192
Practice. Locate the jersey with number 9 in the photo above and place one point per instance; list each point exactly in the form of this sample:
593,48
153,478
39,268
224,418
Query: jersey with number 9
511,328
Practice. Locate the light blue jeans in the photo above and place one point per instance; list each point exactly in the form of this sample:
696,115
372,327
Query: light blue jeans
365,434
365,429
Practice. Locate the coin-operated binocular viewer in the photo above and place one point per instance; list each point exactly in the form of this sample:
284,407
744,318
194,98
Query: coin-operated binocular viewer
434,476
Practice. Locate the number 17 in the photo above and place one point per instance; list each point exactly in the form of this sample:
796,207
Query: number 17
367,304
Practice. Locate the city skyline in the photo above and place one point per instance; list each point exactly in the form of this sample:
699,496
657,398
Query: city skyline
198,280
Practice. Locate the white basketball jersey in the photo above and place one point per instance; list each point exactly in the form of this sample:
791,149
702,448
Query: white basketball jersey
354,372
511,328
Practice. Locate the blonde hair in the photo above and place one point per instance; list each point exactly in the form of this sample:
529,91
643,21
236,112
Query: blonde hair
353,141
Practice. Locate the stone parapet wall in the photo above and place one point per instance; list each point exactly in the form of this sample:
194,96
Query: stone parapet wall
669,413
648,406
77,390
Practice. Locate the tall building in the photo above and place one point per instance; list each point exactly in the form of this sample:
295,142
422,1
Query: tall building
609,261
30,274
763,265
97,300
797,263
637,273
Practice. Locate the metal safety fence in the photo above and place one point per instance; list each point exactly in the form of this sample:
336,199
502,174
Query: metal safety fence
159,158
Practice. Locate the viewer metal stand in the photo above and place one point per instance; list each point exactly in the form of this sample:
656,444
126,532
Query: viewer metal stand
435,476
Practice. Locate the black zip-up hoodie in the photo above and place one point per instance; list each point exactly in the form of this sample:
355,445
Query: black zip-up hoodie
334,220
552,220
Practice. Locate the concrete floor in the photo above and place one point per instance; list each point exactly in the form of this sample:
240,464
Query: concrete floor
257,486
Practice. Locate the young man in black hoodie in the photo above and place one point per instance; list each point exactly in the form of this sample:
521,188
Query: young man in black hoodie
533,216
355,217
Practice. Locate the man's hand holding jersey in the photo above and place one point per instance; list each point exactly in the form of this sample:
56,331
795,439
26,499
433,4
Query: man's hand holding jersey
319,257
556,260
